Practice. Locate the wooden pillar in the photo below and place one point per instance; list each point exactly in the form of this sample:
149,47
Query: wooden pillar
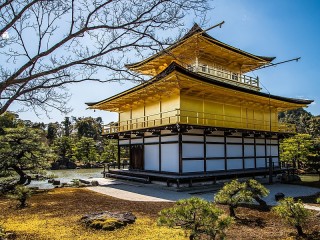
204,151
160,152
180,152
118,160
225,154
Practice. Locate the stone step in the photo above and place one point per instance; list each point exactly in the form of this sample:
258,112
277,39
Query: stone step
126,177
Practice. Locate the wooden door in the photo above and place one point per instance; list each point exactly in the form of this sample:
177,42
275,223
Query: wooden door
136,157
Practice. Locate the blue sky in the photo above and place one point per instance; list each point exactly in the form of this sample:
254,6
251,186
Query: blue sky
282,28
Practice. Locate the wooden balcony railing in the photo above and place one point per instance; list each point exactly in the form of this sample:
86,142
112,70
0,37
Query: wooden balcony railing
198,118
226,76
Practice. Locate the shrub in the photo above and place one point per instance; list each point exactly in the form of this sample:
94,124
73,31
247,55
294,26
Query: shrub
318,200
2,232
22,193
292,212
201,217
232,194
257,191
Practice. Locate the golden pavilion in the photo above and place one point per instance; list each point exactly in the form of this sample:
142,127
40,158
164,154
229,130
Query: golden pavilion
199,116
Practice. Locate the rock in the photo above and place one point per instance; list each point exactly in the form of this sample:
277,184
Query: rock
71,165
84,181
56,182
50,180
94,183
279,196
294,178
55,166
108,221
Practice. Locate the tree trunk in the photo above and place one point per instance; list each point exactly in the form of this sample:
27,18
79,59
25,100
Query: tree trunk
232,212
24,178
261,202
299,229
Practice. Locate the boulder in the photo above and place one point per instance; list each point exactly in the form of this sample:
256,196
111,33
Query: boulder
108,221
56,182
279,196
94,183
71,165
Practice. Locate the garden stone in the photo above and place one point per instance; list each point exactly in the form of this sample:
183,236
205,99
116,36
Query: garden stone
279,196
94,183
56,182
108,221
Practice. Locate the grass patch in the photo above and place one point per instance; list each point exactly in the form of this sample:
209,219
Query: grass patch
56,215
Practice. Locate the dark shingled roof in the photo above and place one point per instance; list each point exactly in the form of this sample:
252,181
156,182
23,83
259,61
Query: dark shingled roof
176,67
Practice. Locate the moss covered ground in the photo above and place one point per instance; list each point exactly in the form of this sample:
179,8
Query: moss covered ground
56,215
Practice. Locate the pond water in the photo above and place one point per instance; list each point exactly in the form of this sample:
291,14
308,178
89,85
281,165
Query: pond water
66,176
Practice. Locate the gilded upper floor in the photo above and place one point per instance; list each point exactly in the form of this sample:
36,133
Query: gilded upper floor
199,52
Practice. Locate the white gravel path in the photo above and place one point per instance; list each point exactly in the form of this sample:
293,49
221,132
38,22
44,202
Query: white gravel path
151,192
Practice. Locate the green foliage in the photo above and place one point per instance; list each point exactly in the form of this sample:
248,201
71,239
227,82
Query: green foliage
305,122
296,149
292,212
200,217
318,200
235,192
2,232
63,147
23,147
85,150
232,194
110,150
52,132
21,193
89,127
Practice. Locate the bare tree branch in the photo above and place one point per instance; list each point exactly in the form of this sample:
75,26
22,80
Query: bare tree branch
53,44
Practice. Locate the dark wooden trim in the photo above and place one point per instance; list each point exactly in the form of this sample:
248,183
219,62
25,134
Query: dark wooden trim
193,142
255,152
119,154
143,149
192,158
265,149
180,153
160,152
243,162
204,152
225,154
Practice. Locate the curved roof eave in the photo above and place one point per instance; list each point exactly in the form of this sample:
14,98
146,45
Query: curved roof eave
194,30
176,67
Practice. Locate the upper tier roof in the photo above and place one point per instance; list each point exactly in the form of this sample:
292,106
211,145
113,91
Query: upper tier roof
197,40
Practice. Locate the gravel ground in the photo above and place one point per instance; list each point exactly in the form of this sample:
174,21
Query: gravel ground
154,193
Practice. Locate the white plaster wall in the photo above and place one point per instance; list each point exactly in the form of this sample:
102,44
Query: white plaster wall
151,140
215,139
261,151
151,157
275,162
274,141
169,138
215,150
192,166
234,164
136,141
249,163
260,140
192,138
234,150
233,140
248,140
215,165
123,142
192,150
170,157
261,162
249,150
274,150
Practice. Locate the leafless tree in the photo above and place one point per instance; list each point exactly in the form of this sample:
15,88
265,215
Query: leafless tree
48,44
